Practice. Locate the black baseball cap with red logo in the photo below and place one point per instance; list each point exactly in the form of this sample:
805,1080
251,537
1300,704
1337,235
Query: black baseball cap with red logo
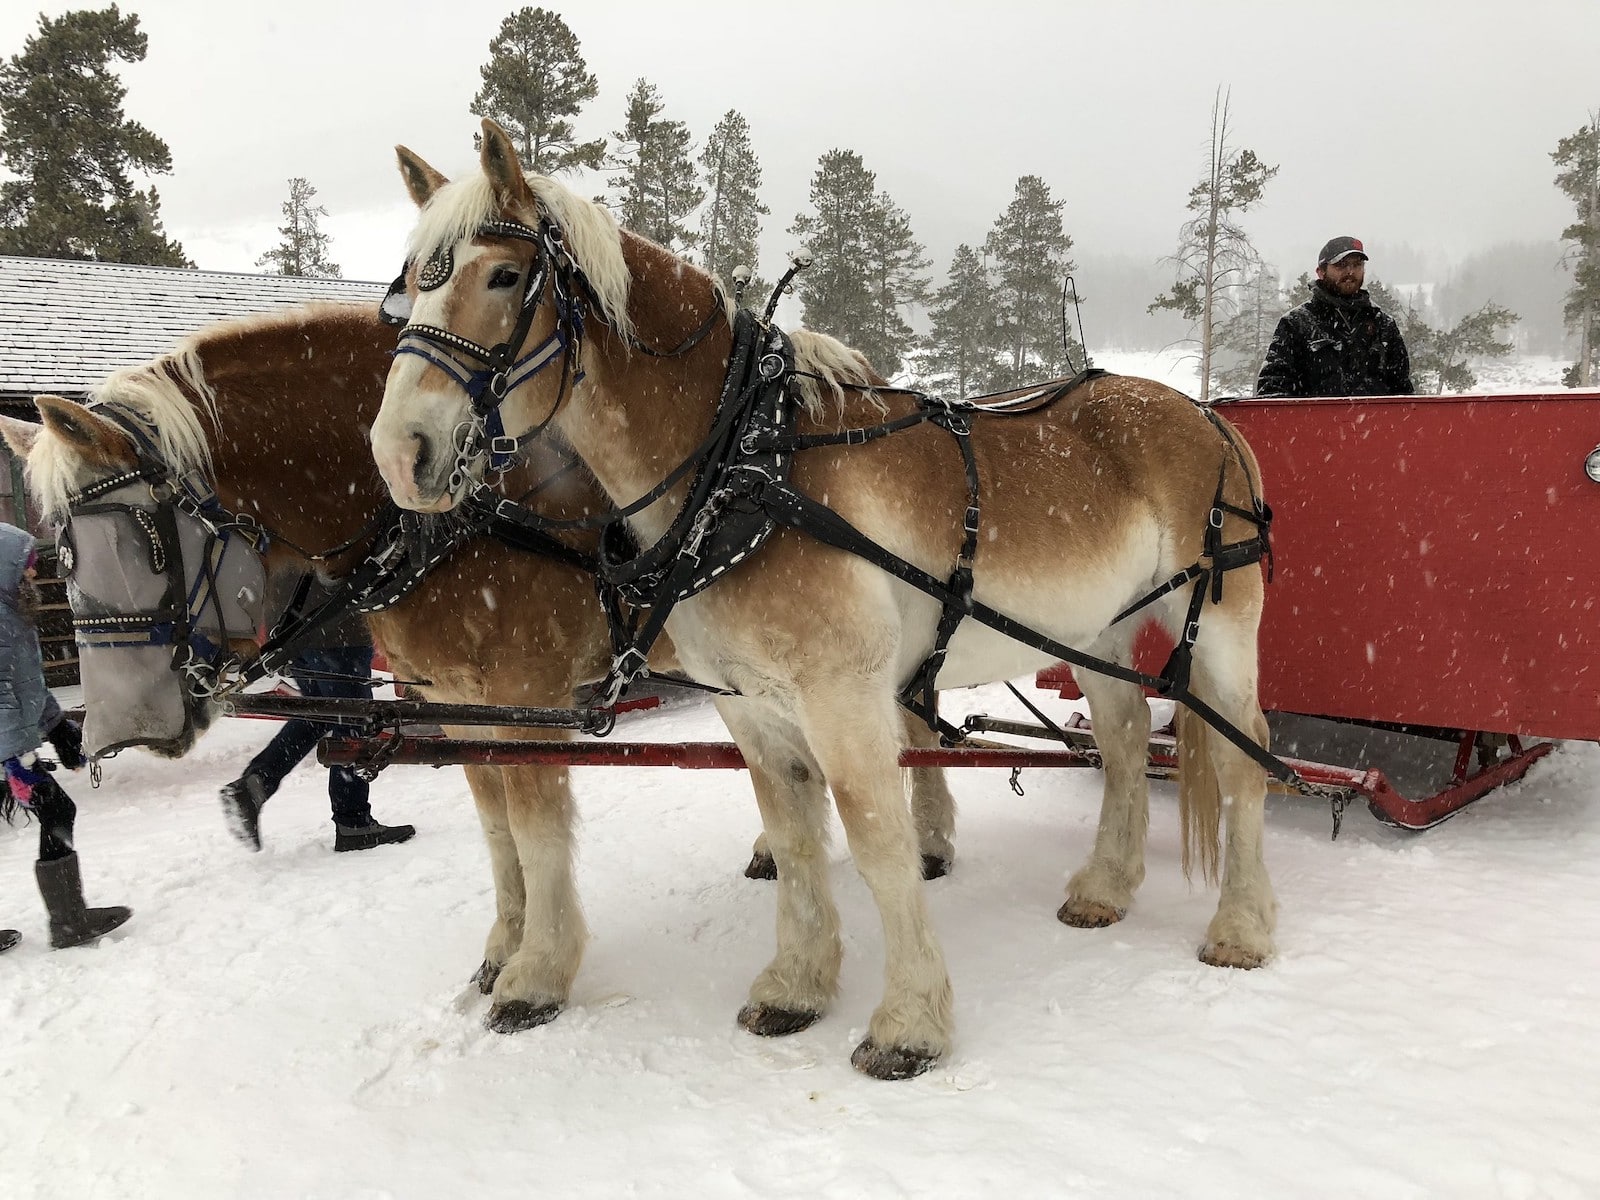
1339,249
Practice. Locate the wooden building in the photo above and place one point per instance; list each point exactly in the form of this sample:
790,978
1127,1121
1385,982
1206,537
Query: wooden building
65,325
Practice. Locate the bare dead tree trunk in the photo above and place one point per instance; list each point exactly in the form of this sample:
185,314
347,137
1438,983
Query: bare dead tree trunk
1586,346
1208,278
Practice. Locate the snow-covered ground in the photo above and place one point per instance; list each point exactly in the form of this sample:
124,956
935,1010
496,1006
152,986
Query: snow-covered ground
1179,367
297,1024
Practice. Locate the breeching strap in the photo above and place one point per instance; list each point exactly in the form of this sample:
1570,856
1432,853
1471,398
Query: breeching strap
798,511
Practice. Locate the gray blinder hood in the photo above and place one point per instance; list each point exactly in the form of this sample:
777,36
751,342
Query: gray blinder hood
157,590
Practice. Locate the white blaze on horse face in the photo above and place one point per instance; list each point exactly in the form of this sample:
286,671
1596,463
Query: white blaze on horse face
422,406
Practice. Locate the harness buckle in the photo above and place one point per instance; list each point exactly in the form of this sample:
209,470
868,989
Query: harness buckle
1191,632
499,385
1215,519
504,446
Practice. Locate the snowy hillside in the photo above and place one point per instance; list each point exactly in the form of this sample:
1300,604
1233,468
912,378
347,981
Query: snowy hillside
297,1024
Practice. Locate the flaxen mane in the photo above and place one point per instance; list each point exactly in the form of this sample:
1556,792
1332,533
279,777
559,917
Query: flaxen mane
459,208
170,394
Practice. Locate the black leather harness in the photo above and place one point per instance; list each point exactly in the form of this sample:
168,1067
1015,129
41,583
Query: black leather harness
740,491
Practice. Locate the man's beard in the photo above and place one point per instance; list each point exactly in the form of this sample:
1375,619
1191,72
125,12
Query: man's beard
1347,285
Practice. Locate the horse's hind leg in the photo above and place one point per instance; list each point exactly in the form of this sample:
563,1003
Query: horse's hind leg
1101,890
1240,934
933,809
799,984
535,981
505,935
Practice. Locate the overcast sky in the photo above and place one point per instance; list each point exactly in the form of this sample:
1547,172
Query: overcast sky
1399,121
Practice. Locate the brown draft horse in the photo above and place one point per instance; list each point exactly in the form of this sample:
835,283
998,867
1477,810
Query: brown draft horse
275,409
1087,505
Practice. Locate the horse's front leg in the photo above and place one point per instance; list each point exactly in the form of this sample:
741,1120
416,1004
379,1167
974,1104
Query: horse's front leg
505,935
799,984
536,980
933,809
856,732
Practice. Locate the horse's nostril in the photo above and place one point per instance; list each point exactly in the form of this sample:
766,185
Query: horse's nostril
424,457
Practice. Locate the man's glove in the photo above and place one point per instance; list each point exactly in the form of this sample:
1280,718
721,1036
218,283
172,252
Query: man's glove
67,738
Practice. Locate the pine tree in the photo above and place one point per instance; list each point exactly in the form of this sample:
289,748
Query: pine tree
65,138
895,267
1441,357
1578,157
657,188
833,291
1215,257
959,351
1242,337
304,248
730,222
1028,249
536,78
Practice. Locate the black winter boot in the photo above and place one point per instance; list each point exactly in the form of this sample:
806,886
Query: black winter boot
365,837
241,808
8,939
71,922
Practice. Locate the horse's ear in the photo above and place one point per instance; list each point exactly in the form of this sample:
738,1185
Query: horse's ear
422,181
19,435
504,169
80,428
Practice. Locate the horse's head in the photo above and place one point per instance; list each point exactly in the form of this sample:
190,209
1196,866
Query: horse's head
153,591
501,268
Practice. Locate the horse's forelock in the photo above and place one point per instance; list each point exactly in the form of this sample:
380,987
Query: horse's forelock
817,354
461,207
154,392
453,212
51,471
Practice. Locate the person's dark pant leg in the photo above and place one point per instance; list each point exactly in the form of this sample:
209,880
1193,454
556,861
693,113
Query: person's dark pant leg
288,746
347,791
56,814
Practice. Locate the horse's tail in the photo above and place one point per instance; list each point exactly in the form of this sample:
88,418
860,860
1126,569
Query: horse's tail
1199,797
1247,457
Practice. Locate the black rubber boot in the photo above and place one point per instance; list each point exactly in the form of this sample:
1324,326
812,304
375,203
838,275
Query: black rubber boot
370,835
8,939
241,808
71,922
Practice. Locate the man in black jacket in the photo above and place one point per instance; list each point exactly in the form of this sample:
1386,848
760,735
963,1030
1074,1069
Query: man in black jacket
1338,343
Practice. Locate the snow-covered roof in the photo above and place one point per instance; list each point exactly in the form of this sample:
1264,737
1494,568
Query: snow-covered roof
65,325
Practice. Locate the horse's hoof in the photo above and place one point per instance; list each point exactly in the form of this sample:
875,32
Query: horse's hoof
762,866
891,1062
485,976
513,1016
935,867
775,1022
1219,954
1086,914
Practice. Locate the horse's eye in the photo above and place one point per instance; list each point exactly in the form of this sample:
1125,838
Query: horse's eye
504,277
